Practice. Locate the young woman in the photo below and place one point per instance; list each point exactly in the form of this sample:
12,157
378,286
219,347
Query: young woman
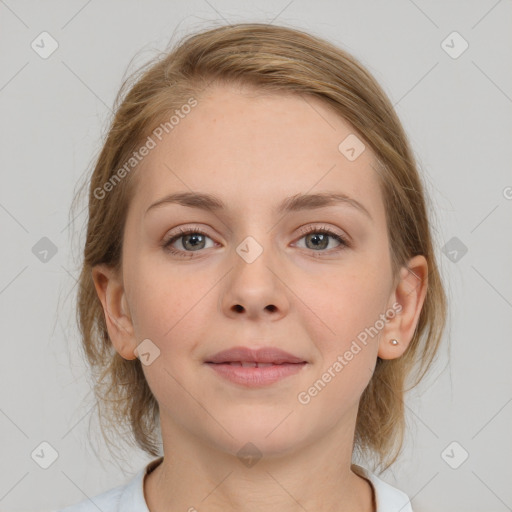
259,280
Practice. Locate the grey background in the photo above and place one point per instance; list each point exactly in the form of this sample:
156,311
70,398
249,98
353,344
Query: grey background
457,112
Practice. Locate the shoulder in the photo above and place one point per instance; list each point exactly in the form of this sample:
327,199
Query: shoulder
387,497
121,498
107,501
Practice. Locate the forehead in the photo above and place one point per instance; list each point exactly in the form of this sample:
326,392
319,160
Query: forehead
253,149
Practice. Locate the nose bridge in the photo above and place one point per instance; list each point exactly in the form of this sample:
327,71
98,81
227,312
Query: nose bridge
251,248
255,257
255,234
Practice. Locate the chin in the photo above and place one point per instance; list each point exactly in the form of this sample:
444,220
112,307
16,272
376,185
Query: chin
268,436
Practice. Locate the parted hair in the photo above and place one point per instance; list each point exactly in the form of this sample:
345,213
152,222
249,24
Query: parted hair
270,58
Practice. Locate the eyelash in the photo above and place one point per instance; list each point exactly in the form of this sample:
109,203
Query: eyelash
167,244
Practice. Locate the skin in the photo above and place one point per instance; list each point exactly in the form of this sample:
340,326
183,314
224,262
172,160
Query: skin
252,150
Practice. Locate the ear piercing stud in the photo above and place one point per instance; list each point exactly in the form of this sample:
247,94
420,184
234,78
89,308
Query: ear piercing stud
393,342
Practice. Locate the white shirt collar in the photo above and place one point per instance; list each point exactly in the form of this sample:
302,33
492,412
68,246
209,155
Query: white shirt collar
388,498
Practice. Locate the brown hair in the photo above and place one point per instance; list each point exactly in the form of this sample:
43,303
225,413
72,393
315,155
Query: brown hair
271,58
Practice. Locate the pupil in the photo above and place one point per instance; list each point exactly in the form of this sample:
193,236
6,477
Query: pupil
188,238
323,239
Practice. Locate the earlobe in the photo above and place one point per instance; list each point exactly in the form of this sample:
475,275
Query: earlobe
111,294
409,294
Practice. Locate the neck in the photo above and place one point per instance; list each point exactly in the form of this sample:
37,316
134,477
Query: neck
195,476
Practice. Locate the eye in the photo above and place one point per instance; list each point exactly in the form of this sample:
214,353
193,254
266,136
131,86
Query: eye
194,240
190,239
318,239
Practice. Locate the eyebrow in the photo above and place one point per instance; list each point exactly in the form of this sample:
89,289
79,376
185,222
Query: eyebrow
298,202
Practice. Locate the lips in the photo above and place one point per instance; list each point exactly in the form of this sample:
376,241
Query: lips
255,368
254,358
249,364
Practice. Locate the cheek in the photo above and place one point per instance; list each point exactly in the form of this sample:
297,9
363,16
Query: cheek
170,311
345,306
163,302
346,347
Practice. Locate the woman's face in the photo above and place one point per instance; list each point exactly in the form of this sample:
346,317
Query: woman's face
258,274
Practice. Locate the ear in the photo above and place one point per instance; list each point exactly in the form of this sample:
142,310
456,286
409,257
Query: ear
110,290
409,293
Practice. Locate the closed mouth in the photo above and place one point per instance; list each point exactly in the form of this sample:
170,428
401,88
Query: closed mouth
254,364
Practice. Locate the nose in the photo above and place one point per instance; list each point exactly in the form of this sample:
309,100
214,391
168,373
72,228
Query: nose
256,285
